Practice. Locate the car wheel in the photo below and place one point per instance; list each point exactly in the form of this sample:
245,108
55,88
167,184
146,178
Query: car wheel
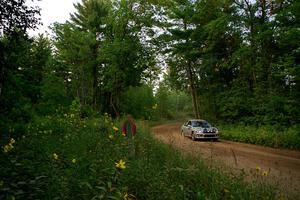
193,137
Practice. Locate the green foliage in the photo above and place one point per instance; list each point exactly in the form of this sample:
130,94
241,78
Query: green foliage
138,101
241,57
171,104
77,56
18,89
15,63
238,60
272,136
53,94
67,157
236,103
16,15
103,52
162,100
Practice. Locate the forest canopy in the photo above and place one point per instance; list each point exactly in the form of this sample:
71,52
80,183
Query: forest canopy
233,61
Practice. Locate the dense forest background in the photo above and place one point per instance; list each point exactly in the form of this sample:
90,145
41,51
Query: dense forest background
64,97
232,61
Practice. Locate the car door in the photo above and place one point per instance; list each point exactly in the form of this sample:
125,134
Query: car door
189,129
185,128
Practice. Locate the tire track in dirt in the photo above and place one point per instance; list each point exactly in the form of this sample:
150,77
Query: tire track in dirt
283,166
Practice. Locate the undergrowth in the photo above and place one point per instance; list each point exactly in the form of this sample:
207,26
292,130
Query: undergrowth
66,157
272,136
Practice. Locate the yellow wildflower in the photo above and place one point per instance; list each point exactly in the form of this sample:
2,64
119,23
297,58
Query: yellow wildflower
12,141
111,137
7,148
125,196
115,129
264,173
74,160
55,156
154,107
282,198
226,190
128,196
120,164
257,168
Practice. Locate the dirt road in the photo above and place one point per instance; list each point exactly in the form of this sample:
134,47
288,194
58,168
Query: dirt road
282,166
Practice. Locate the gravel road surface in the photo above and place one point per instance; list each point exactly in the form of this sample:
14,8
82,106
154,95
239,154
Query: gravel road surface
282,166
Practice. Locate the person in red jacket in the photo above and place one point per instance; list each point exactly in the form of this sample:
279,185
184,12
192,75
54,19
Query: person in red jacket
129,127
129,130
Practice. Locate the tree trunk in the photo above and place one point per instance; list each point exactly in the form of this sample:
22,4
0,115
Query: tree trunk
113,106
193,90
95,76
192,85
94,92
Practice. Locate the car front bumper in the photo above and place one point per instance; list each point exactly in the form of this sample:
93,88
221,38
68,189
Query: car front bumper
206,136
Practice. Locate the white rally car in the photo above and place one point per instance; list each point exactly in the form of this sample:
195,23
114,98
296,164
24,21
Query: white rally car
199,129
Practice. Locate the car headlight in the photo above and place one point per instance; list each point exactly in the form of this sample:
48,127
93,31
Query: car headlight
199,131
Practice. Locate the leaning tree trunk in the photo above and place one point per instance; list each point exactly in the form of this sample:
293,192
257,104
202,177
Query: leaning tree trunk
193,90
113,106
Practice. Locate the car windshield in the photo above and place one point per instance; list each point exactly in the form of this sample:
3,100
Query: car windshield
202,124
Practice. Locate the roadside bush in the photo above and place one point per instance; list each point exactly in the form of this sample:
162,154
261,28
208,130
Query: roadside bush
67,157
271,136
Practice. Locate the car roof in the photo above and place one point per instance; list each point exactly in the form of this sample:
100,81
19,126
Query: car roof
196,120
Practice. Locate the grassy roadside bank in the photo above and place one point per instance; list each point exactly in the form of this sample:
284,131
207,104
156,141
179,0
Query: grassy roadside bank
67,157
271,136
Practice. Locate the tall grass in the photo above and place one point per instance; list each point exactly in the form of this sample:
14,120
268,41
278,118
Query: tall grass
65,157
272,136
